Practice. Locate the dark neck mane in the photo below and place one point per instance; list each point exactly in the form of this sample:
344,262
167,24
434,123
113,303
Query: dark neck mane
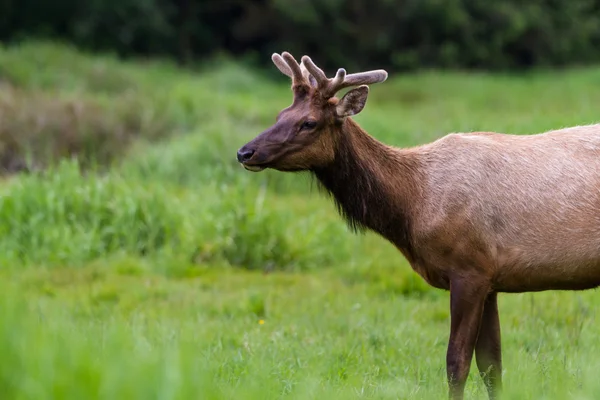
369,182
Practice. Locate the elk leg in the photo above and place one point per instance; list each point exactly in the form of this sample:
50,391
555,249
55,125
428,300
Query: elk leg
488,349
467,299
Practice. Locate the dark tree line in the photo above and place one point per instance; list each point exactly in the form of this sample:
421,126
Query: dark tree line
395,34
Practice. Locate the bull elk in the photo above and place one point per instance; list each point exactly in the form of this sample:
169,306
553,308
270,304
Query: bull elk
473,213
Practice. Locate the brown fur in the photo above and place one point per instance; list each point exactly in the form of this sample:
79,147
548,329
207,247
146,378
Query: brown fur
476,213
363,173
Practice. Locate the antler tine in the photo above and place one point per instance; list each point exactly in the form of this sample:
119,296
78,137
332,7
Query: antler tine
281,65
297,76
315,71
366,78
359,78
307,75
335,83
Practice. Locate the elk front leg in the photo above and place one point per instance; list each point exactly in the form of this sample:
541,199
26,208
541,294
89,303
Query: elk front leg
467,298
488,350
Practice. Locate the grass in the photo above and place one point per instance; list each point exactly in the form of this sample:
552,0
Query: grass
163,270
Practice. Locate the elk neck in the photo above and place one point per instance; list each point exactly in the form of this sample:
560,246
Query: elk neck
374,186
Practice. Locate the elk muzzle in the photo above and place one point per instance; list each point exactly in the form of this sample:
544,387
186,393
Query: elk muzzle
244,157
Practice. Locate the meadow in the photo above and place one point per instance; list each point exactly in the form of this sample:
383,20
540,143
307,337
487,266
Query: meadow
140,261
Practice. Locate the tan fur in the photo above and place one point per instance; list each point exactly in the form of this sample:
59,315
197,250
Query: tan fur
527,205
475,213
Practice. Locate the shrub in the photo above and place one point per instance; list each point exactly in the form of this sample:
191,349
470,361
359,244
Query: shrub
48,126
56,102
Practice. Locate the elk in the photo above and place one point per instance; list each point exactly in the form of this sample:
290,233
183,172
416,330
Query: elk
476,213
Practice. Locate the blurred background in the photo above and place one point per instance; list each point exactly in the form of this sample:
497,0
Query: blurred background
394,34
139,260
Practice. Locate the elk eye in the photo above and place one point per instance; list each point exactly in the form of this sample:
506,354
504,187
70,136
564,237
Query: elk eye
309,124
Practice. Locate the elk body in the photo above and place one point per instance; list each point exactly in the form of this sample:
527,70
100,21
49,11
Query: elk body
473,213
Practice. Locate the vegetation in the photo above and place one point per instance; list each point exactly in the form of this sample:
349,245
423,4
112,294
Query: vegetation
360,33
153,266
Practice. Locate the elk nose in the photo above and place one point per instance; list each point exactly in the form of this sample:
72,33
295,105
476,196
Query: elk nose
244,155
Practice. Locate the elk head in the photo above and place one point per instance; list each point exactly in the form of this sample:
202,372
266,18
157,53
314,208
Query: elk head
305,133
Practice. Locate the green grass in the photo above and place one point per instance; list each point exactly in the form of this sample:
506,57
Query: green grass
166,271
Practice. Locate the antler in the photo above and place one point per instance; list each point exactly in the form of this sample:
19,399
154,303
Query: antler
307,73
329,87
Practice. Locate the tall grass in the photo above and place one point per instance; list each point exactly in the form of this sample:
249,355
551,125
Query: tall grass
164,270
64,217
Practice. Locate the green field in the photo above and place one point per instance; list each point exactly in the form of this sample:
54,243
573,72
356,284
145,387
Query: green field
163,270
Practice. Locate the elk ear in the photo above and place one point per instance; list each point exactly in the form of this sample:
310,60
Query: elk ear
353,102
